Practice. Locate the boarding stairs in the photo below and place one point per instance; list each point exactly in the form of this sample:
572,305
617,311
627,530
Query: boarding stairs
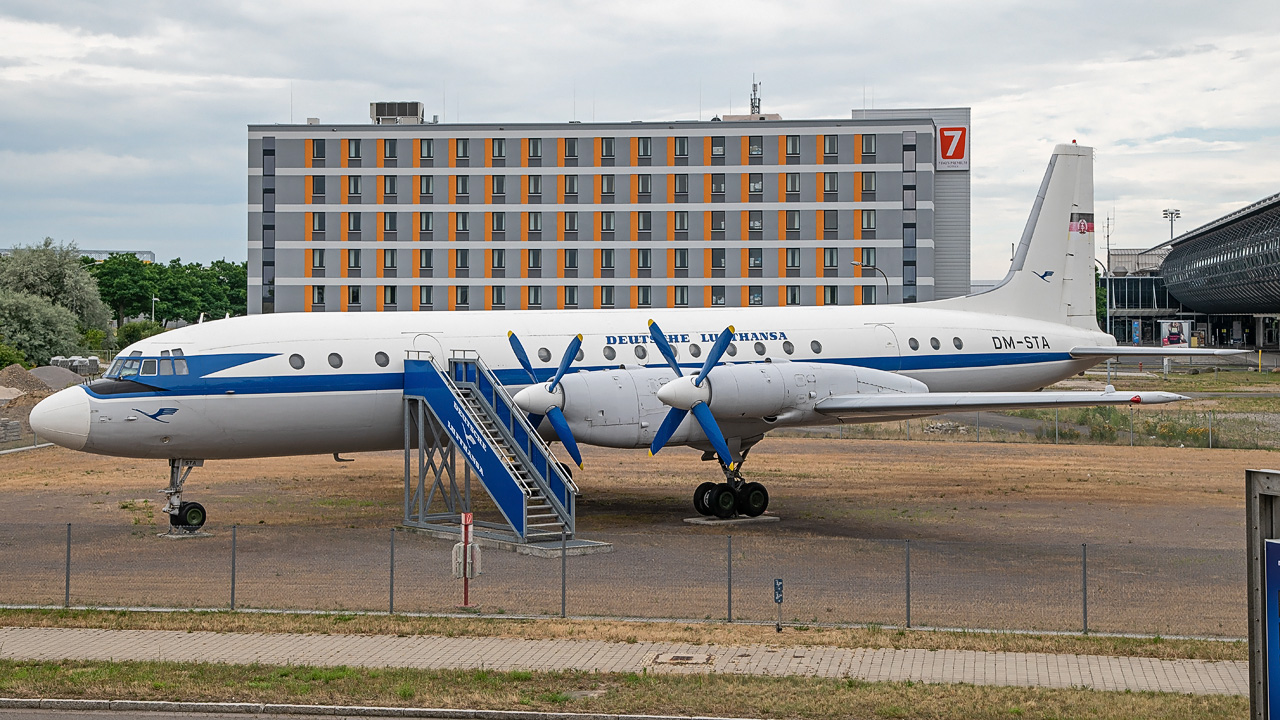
462,409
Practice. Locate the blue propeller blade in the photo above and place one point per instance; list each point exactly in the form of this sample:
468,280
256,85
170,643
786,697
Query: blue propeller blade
521,355
561,425
667,429
570,353
664,347
713,357
703,415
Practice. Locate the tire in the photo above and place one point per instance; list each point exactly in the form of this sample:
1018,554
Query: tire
753,499
567,469
191,516
700,497
722,501
175,520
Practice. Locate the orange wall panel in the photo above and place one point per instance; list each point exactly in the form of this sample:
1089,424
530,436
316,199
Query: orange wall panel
818,154
857,160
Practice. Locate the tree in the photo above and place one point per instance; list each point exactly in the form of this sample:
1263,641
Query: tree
126,284
10,355
37,328
1100,300
130,333
55,273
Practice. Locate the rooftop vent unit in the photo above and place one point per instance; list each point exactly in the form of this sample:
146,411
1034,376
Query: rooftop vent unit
395,113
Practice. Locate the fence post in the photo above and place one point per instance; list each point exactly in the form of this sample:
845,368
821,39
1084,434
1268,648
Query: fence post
729,585
233,567
908,546
1055,426
1084,584
1130,426
66,588
977,424
1211,413
564,568
391,589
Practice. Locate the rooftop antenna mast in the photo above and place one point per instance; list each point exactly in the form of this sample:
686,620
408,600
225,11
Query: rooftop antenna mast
755,95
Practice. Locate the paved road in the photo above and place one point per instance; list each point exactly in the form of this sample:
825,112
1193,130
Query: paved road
941,666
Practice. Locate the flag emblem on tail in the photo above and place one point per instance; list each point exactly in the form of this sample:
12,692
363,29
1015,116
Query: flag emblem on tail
1081,223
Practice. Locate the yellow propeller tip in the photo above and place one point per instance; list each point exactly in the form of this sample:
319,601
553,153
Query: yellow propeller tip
579,466
510,333
731,329
651,321
650,453
579,336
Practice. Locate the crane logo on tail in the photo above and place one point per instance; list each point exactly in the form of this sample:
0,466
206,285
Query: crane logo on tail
1043,276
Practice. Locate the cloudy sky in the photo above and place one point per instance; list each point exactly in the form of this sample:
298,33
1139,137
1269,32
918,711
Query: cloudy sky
123,124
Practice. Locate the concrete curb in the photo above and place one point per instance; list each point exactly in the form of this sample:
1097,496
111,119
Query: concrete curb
162,706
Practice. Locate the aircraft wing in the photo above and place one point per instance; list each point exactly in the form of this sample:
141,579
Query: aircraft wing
1105,352
915,404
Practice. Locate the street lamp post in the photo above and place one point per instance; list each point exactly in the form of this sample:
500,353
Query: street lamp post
1171,214
877,269
153,307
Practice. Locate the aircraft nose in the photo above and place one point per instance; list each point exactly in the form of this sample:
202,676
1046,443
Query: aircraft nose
63,418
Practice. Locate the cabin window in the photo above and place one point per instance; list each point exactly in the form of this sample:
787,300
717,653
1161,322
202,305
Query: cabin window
816,347
381,359
695,350
958,343
915,344
933,342
641,352
296,362
609,352
759,348
787,347
732,350
335,360
544,355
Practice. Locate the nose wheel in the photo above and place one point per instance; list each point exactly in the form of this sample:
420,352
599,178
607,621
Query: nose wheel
183,516
732,497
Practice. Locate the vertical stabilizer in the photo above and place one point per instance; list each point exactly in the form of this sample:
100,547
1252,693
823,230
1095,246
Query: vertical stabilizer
1051,277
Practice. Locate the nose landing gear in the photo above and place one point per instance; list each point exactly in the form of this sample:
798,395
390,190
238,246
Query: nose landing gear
183,516
732,497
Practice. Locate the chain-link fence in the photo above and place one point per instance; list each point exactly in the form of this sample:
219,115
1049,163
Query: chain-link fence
1158,590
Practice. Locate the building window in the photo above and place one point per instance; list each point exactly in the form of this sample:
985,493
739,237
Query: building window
463,147
793,145
570,259
644,296
571,222
717,258
317,222
755,220
755,146
353,149
535,148
606,222
462,184
717,183
793,219
499,184
793,294
463,221
868,182
756,182
830,220
644,184
793,258
428,149
830,258
680,257
682,147
353,185
607,184
424,295
717,295
389,185
570,296
606,147
390,221
717,220
571,185
868,219
793,182
535,184
830,181
499,148
427,184
535,296
830,144
869,257
389,148
717,147
535,222
499,222
317,295
571,147
868,144
462,258
868,294
424,259
499,295
644,147
606,296
353,222
830,295
755,258
908,236
644,221
682,220
681,184
353,295
755,295
644,259
317,258
317,149
462,295
681,296
499,261
389,295
317,185
606,259
535,259
353,258
427,222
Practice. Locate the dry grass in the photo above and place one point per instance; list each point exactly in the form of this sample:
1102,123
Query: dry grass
616,631
669,694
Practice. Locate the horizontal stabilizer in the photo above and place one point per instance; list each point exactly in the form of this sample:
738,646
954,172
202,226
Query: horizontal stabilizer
1104,352
914,404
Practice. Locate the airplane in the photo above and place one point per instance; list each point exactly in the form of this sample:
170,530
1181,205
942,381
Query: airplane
716,379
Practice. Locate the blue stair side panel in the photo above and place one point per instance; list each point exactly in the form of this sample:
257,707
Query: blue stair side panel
421,379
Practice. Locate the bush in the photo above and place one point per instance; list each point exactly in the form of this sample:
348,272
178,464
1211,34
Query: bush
10,355
36,327
132,332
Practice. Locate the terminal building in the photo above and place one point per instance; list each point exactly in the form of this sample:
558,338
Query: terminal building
403,214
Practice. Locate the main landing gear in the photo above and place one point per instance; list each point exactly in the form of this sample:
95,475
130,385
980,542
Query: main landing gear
183,516
732,497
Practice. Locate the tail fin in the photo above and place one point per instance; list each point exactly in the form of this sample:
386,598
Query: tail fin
1051,277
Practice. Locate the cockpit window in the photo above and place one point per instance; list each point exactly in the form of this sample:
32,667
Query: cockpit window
148,367
180,365
166,366
128,368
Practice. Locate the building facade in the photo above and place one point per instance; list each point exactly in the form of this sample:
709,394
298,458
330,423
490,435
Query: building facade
404,215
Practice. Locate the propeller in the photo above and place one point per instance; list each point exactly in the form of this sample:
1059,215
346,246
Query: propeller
539,400
698,396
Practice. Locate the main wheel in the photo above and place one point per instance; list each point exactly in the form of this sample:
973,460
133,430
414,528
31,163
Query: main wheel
700,498
190,516
752,499
722,501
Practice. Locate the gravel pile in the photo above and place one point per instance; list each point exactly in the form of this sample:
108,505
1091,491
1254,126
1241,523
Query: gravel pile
15,376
